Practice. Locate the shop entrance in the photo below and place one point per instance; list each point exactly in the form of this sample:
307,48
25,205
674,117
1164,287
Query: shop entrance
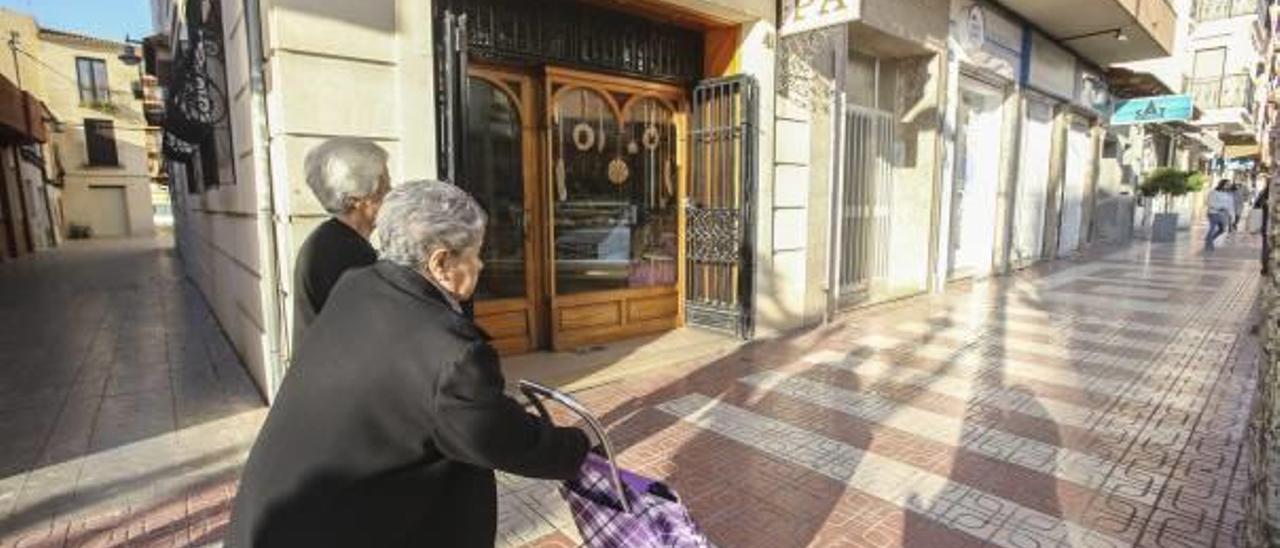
582,175
1079,157
977,173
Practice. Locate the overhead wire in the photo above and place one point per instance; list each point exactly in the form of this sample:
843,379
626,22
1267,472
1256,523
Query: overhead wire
59,73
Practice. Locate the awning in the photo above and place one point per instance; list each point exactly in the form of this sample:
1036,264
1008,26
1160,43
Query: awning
1128,84
34,110
21,116
1208,141
1232,152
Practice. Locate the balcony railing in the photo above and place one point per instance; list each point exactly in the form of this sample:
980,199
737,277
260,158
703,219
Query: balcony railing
1219,92
1210,10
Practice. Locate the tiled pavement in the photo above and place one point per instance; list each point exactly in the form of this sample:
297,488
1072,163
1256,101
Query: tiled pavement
1099,402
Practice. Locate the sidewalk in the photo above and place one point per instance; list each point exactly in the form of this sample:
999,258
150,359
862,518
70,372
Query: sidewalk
1099,402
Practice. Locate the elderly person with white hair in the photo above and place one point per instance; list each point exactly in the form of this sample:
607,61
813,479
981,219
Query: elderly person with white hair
388,426
349,178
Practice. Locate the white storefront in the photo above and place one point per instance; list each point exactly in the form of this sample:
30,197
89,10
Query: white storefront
986,50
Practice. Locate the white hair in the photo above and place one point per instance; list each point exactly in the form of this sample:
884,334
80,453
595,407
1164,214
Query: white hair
420,217
343,171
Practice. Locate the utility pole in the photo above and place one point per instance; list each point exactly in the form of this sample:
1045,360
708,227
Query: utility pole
13,48
17,157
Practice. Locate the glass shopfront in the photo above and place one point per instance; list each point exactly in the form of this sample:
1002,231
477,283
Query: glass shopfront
576,148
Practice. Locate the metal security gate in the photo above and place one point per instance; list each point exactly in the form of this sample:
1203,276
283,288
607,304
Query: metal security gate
719,213
864,205
451,94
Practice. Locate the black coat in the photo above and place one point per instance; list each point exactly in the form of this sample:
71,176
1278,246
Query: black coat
332,249
388,426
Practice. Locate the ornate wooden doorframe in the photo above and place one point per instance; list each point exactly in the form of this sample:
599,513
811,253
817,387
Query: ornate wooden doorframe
516,322
633,295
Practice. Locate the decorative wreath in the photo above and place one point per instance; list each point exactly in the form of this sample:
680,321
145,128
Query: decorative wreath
651,137
618,171
583,136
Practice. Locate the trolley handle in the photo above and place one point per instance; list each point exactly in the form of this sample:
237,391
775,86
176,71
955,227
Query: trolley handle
537,392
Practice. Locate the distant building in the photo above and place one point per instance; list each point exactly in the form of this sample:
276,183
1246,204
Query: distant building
101,139
27,204
95,172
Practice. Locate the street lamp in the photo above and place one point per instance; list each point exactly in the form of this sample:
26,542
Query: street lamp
129,56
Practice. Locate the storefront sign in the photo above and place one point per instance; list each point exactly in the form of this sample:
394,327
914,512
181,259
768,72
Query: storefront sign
982,37
803,15
1091,91
1052,70
1148,110
1240,164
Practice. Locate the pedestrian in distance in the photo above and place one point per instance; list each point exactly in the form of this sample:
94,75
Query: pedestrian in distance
391,421
349,178
1263,205
1240,198
1221,206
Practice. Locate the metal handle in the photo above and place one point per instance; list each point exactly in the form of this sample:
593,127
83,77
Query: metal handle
535,392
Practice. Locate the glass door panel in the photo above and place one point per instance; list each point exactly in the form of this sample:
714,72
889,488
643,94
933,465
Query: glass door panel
500,171
615,183
649,132
494,175
594,216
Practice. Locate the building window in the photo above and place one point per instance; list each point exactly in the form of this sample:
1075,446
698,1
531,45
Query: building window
1209,63
92,77
1210,10
100,141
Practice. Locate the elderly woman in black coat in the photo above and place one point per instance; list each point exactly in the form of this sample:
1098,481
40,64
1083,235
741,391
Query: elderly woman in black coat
388,427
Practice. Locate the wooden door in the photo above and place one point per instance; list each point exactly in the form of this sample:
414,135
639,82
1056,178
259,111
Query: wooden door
110,212
615,181
501,170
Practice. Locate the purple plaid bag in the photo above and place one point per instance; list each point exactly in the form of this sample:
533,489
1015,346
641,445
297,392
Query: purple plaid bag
655,517
616,508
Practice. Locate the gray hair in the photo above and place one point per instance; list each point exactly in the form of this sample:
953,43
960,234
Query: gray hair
343,171
420,217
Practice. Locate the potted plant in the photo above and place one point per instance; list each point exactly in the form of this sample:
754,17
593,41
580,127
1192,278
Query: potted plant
1169,183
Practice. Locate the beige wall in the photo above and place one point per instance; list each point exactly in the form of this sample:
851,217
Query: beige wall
917,174
56,78
28,40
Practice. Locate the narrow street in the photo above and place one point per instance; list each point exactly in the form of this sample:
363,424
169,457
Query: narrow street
1097,402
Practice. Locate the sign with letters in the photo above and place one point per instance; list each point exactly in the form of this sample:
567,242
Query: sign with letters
1151,110
983,38
804,15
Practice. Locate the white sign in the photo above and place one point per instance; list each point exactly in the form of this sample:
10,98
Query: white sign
975,28
1091,91
1053,69
803,15
981,37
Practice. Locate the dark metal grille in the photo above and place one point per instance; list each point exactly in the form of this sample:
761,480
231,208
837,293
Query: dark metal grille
196,120
176,149
196,103
567,33
451,93
714,235
864,202
720,216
